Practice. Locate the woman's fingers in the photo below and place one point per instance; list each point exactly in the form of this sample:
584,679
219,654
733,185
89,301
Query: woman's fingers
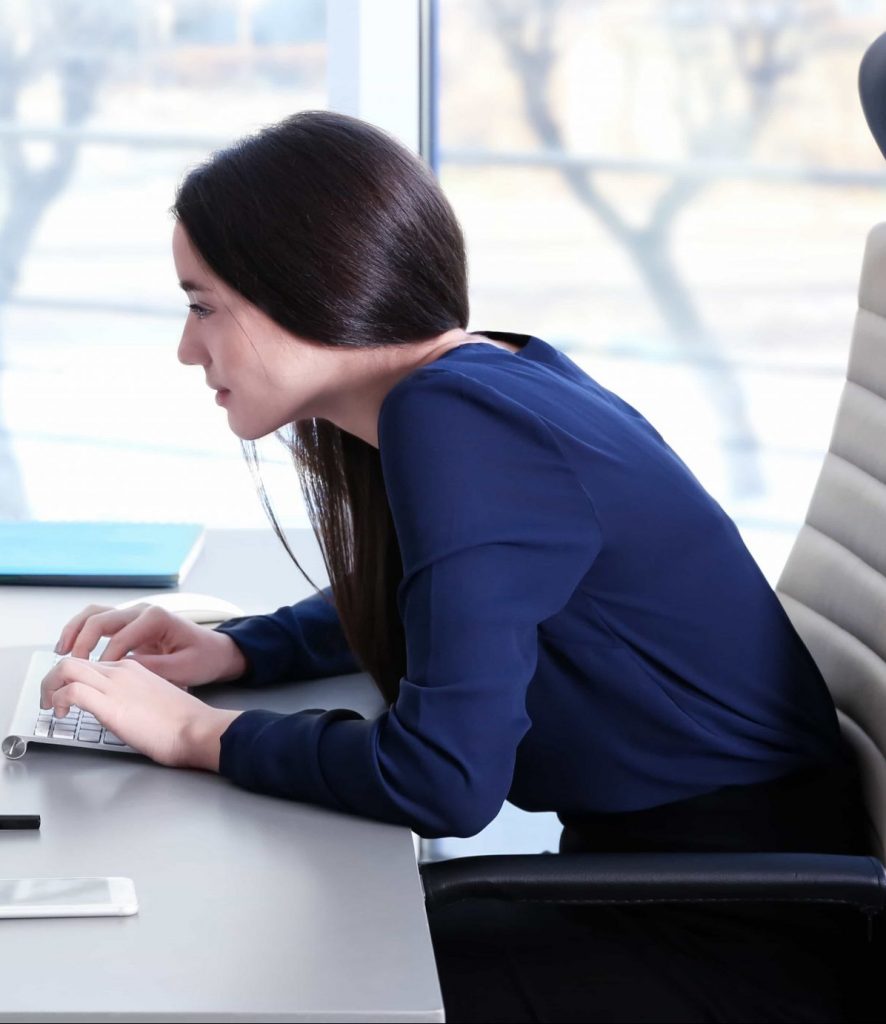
66,672
143,627
105,622
85,696
72,627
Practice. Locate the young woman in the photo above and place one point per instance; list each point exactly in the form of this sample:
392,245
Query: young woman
554,608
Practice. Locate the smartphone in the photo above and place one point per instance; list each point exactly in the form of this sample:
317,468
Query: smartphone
67,897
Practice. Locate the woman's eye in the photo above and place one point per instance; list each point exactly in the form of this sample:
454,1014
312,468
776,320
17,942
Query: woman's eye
201,312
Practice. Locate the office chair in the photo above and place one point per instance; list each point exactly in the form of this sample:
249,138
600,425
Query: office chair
833,587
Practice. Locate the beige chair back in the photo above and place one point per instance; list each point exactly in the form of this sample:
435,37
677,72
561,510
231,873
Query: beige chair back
833,585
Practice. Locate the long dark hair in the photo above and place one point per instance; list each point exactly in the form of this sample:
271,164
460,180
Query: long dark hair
344,237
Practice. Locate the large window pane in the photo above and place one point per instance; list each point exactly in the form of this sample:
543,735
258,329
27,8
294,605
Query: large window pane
677,195
105,106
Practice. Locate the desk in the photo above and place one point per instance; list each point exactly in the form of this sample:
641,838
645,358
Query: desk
252,908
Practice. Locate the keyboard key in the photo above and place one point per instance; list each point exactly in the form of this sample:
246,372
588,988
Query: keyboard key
113,740
89,736
65,732
42,728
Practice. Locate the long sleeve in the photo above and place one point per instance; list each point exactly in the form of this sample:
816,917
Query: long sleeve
495,534
300,641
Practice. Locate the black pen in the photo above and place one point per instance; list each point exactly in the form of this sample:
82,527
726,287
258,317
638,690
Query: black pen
19,821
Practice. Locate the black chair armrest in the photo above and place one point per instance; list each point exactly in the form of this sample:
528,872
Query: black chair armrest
598,878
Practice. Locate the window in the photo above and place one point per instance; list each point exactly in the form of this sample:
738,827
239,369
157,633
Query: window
109,104
676,194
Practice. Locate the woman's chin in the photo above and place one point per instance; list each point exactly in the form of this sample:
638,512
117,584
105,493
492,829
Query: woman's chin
251,428
249,432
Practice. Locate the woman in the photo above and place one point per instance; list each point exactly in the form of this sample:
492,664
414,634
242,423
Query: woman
555,610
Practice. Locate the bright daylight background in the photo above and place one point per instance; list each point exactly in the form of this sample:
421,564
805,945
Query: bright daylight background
676,194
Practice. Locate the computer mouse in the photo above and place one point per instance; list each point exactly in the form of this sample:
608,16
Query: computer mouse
201,608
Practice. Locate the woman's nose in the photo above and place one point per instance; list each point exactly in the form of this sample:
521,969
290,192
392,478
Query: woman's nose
186,352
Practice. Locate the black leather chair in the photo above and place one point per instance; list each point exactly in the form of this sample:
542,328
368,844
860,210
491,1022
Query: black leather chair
834,589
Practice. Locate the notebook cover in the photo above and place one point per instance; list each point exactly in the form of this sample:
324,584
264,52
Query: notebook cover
98,554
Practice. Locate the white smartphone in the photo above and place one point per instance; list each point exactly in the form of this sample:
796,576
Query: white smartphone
67,897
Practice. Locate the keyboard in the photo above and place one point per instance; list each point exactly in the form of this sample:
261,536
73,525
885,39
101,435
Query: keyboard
32,724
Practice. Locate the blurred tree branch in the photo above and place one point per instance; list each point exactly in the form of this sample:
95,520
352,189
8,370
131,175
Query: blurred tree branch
75,42
767,40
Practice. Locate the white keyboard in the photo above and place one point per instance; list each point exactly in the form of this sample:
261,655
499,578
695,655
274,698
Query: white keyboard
31,724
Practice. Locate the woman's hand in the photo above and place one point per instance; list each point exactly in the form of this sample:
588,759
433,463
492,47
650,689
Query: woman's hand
146,711
177,649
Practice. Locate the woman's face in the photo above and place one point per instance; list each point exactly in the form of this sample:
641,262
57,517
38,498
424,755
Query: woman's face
267,377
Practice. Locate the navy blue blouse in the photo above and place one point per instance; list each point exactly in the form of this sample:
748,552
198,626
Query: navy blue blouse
585,629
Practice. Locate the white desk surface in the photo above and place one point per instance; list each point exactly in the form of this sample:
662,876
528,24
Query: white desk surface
252,908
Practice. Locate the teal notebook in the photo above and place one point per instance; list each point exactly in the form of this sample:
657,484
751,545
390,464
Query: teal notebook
97,554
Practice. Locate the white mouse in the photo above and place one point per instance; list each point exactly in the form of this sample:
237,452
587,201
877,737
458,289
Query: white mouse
202,608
